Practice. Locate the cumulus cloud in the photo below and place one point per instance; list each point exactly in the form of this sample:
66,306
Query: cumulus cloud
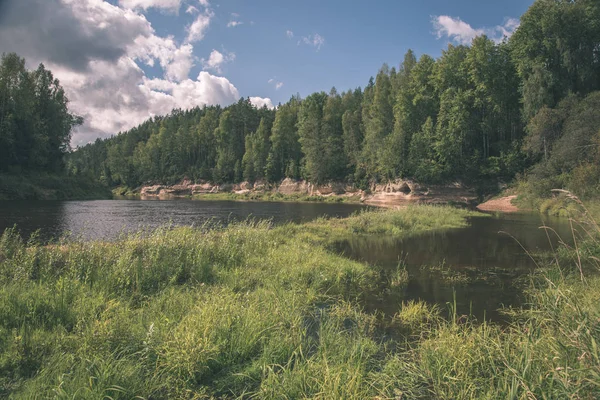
96,49
172,5
216,60
198,28
461,32
260,102
180,63
509,27
56,31
192,10
289,34
207,89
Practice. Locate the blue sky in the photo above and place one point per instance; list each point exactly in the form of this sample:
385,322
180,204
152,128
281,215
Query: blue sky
123,61
359,37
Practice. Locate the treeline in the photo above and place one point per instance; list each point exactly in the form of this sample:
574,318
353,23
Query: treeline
481,112
35,123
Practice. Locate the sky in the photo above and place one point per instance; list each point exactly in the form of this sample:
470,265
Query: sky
124,61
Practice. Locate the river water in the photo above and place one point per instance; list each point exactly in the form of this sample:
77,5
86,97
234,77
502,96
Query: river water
107,219
478,268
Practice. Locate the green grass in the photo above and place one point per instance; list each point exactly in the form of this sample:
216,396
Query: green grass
388,222
44,186
255,311
125,191
275,196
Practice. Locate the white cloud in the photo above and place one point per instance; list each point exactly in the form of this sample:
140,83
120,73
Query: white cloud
462,33
455,29
216,60
197,29
317,41
176,61
289,34
509,27
234,21
95,49
173,5
260,102
278,85
115,98
207,89
192,10
180,63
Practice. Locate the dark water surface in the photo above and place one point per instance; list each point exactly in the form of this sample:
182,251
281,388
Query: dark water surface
482,267
479,267
106,219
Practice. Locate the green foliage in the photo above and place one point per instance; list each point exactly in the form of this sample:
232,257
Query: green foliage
566,140
556,52
253,311
35,124
480,113
188,313
44,186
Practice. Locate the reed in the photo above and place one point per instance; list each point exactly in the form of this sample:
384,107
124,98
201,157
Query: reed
256,311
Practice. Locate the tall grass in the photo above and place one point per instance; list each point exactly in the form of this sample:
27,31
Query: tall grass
255,311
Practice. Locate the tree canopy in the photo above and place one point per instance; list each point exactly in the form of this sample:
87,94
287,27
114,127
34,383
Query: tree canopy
35,123
477,113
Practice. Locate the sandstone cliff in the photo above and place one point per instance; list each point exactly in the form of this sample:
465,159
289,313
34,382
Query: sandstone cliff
391,194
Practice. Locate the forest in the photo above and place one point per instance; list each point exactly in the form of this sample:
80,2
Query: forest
35,123
525,108
35,136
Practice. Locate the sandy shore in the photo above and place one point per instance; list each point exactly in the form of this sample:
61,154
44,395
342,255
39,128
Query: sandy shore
503,204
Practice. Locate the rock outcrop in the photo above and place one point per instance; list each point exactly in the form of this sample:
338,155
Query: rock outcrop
391,194
402,192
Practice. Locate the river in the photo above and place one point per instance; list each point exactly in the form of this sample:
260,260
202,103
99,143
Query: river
475,267
107,219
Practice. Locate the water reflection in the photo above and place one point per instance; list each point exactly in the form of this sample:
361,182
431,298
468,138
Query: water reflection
106,219
479,265
476,266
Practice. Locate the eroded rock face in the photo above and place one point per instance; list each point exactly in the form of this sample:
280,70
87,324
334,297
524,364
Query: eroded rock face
290,186
245,186
399,193
405,187
202,188
261,186
391,194
330,189
226,187
151,190
176,191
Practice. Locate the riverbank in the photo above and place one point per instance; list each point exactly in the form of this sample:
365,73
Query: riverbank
44,186
277,197
394,194
501,204
258,311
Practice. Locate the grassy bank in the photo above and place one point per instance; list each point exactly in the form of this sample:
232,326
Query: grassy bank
254,311
561,204
45,186
275,196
